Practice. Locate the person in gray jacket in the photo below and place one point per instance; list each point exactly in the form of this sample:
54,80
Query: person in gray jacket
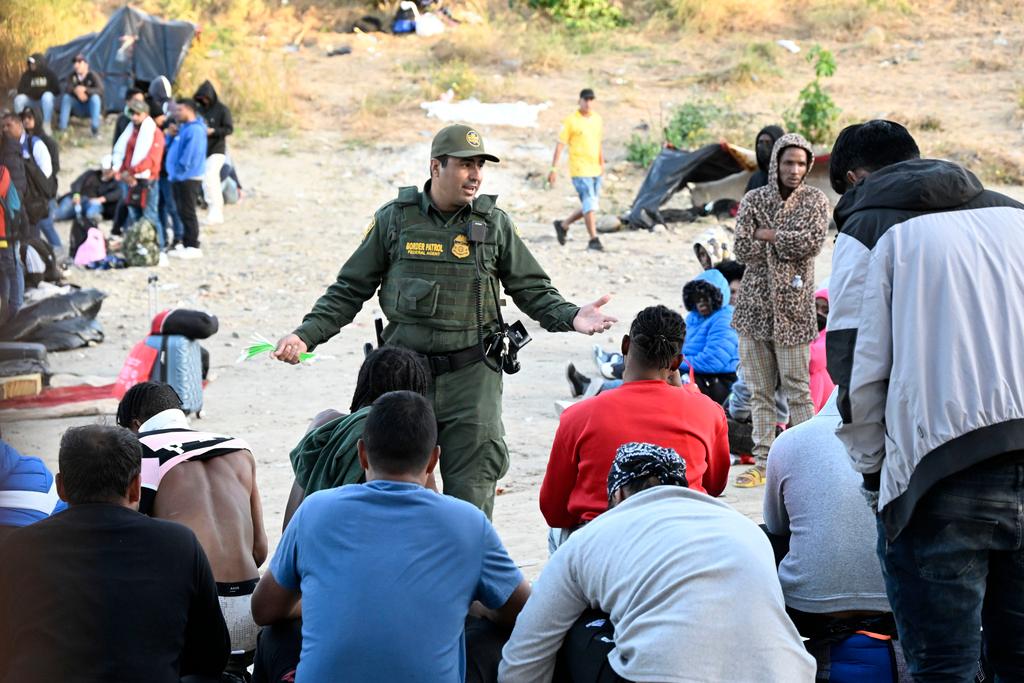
687,586
924,342
824,536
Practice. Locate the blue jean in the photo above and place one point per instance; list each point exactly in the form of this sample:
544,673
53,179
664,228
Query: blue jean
169,216
45,103
66,209
12,282
958,567
151,211
589,190
71,105
46,226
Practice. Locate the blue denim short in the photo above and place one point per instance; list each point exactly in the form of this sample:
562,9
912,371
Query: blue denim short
588,188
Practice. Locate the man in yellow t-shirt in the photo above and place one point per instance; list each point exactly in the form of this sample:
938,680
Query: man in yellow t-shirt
582,132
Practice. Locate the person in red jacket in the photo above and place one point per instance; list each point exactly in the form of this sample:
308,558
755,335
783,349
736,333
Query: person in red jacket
137,156
651,406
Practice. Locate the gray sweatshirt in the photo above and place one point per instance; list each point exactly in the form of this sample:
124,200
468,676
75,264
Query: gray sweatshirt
813,495
691,589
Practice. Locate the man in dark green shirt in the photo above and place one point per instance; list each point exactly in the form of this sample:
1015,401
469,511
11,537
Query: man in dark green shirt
437,257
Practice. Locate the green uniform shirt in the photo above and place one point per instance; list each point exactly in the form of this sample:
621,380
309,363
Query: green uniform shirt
426,271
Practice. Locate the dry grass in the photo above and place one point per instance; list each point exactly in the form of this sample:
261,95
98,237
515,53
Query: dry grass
240,50
27,27
514,46
991,164
752,64
813,17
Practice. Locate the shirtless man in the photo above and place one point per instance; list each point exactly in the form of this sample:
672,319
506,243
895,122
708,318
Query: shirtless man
208,483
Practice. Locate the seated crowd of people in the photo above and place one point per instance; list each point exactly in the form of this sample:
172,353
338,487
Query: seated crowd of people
151,573
167,157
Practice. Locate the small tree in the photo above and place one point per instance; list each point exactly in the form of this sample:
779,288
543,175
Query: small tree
816,113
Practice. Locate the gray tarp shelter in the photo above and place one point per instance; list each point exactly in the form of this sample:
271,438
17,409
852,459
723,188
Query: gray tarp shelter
713,172
134,47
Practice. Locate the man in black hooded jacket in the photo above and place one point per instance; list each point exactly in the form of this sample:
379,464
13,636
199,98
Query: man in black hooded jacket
763,144
924,336
38,86
218,127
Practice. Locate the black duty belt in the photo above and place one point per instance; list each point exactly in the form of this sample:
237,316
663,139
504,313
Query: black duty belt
441,364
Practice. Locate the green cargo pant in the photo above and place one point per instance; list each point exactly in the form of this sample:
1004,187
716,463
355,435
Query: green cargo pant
474,456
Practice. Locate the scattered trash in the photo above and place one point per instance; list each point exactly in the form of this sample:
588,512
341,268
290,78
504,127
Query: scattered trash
343,50
409,20
788,45
519,114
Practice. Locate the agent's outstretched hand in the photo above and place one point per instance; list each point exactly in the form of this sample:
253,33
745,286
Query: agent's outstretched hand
590,320
288,349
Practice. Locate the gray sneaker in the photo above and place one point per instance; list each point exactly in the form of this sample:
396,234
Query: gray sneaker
595,244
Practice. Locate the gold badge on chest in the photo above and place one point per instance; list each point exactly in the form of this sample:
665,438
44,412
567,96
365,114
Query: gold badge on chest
460,247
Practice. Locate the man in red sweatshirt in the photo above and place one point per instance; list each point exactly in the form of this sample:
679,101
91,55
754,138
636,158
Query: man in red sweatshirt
137,156
651,407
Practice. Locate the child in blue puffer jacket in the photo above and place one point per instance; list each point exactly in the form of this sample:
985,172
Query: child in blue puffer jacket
712,346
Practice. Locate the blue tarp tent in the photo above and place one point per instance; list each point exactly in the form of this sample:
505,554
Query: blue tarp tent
134,47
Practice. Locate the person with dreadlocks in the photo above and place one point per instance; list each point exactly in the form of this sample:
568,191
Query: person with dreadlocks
327,456
645,407
665,563
208,483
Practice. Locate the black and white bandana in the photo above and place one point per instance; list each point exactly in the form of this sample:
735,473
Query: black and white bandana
638,461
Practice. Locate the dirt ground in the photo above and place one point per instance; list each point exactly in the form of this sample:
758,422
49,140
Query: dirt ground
310,193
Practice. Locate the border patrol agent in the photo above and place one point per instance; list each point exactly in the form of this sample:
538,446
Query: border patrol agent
437,256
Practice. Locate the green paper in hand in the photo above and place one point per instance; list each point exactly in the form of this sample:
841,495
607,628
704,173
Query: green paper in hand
261,346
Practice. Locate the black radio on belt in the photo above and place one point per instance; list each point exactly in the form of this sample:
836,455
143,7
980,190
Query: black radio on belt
503,345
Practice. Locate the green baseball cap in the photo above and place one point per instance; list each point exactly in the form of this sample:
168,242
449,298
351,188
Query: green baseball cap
459,141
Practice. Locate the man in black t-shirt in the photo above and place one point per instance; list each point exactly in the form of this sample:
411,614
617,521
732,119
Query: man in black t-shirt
100,592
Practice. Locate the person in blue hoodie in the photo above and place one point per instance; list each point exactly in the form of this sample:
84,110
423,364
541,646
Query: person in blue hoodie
712,345
186,165
27,490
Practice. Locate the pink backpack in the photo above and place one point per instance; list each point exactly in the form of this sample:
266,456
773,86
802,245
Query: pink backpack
93,249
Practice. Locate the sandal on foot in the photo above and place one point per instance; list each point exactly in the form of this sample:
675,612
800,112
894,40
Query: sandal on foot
752,478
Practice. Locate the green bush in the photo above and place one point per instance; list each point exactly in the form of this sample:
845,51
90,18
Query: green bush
690,124
816,113
583,15
642,150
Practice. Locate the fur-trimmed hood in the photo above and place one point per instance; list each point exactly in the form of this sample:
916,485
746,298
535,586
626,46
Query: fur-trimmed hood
710,284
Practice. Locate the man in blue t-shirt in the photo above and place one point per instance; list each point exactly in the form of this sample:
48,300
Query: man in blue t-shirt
387,570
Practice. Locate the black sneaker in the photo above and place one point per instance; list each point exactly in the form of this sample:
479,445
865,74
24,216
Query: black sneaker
578,382
595,244
560,232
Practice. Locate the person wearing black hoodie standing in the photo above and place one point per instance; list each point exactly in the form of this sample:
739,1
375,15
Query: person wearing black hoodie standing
218,127
38,86
763,144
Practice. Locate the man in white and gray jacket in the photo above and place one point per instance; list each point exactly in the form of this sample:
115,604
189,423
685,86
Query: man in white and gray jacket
926,344
668,585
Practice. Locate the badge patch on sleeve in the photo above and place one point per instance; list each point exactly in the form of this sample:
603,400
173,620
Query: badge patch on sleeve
424,248
460,246
369,227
